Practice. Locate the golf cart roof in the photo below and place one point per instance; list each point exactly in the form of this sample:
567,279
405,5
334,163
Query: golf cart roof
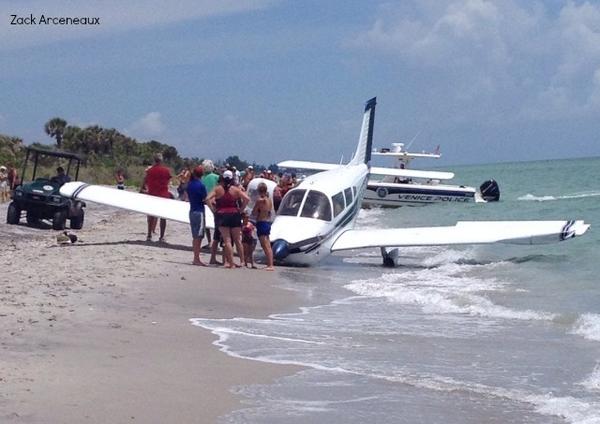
55,153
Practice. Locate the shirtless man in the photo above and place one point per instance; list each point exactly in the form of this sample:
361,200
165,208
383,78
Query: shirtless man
262,213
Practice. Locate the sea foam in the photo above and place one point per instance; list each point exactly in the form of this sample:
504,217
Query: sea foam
532,197
592,382
443,290
588,326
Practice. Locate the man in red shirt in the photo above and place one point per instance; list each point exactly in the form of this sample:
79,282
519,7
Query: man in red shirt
156,182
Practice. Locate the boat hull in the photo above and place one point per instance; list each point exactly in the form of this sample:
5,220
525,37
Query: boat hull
395,195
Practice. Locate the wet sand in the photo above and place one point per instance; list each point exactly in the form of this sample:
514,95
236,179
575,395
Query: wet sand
98,331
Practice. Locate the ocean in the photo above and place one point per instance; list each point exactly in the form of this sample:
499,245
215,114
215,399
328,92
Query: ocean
472,334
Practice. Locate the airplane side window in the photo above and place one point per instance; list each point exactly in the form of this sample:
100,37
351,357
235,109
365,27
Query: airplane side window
290,205
348,194
316,206
338,203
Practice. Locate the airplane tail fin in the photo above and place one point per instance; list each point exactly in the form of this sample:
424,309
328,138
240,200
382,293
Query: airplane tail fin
365,141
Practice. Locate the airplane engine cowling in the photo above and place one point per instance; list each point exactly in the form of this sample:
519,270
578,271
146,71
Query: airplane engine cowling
281,249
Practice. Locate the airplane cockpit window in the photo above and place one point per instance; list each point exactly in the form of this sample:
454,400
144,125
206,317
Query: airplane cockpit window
290,205
354,191
348,194
316,206
338,203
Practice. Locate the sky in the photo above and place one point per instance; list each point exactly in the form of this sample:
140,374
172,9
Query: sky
269,80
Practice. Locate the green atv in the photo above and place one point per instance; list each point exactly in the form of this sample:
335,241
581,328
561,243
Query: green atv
40,198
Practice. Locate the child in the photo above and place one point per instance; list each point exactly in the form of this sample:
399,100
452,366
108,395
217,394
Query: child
4,189
248,241
120,179
262,213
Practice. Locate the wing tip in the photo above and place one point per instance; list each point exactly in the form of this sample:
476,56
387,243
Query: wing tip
581,227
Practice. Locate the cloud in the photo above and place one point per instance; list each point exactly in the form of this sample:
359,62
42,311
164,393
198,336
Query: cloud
115,16
148,126
542,60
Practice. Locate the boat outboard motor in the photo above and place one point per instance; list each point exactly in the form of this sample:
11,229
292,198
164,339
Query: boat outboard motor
490,191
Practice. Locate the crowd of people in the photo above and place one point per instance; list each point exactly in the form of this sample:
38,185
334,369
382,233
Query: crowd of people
8,181
222,190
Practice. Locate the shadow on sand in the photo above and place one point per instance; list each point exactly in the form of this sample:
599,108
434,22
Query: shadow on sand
135,243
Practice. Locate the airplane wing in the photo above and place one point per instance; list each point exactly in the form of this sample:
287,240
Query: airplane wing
304,164
175,210
464,232
394,172
412,173
407,155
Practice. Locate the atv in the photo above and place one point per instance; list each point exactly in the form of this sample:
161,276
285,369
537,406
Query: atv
40,198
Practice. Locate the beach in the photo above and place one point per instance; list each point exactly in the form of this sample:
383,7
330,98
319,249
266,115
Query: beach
116,329
99,330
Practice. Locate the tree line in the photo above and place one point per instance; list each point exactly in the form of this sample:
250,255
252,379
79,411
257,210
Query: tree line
108,149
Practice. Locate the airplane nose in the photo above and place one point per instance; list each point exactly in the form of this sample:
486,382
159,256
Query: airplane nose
281,249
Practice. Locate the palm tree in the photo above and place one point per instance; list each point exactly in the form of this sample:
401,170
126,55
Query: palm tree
55,128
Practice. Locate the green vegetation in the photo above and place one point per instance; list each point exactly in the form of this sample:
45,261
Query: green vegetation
11,150
106,151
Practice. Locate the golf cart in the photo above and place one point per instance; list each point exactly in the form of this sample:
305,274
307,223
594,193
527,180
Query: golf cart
40,197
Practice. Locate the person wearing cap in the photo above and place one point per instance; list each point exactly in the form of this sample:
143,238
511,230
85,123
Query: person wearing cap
156,183
228,202
196,193
248,176
210,178
4,192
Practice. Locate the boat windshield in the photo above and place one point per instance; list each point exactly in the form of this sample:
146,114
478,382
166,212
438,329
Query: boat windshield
317,206
290,205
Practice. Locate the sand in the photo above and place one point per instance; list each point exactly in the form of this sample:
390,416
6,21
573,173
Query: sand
98,331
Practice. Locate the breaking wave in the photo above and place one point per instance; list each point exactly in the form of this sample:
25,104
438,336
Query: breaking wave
588,326
532,197
446,289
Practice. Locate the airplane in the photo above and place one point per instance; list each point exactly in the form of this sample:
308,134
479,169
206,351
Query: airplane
316,218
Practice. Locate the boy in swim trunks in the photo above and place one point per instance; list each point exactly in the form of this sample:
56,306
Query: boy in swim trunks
262,213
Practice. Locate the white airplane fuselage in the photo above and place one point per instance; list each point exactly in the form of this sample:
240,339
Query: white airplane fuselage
314,214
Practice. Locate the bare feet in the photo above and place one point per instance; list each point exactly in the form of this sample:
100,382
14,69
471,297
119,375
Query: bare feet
269,268
199,263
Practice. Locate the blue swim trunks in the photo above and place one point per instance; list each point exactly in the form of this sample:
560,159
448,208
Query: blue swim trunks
197,224
263,228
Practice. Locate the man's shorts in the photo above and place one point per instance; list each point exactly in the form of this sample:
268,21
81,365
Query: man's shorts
197,224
